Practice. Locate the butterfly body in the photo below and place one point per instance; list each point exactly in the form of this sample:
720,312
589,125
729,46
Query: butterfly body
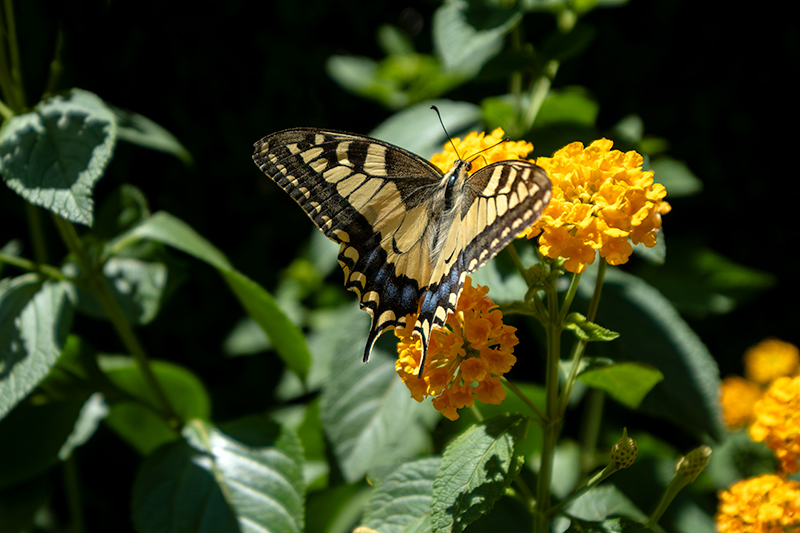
408,235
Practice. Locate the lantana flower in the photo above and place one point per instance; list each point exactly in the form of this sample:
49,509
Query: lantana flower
465,359
602,199
762,504
777,422
738,397
476,142
771,359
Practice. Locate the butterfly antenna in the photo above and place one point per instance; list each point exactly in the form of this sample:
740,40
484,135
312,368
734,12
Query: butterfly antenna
445,130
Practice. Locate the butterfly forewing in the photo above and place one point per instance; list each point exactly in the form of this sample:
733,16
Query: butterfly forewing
407,239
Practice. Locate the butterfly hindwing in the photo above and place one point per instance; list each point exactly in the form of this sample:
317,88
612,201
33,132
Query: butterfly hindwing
408,235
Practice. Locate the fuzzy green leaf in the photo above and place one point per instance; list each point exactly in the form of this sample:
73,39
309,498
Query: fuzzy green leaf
35,317
54,155
588,331
476,469
369,416
402,503
246,480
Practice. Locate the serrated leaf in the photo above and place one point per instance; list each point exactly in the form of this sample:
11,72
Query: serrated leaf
135,417
35,316
54,155
628,383
138,129
369,416
137,286
652,332
468,34
588,331
212,481
287,339
476,469
402,503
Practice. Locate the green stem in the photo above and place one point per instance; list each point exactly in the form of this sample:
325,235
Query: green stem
73,495
508,383
27,264
590,484
36,231
56,67
6,111
13,53
99,288
552,421
590,428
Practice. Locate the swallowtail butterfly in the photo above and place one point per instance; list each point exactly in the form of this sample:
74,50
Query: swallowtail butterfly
408,234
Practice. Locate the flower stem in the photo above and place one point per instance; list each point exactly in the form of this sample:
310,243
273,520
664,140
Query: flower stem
508,383
27,264
552,421
100,290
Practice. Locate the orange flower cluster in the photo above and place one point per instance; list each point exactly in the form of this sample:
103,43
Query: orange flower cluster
763,363
601,200
763,504
476,142
465,359
777,422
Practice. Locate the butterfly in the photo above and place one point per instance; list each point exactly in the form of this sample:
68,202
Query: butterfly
408,234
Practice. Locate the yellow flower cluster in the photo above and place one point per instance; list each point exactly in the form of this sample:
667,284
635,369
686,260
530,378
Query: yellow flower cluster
465,359
763,363
777,422
763,504
474,143
769,360
601,199
738,396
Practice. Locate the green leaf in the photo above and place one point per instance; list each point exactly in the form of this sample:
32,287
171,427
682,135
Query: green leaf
140,130
700,282
568,105
602,502
402,503
259,304
679,180
369,416
249,480
135,416
35,317
120,211
54,155
476,469
468,34
652,332
137,286
588,331
611,525
417,129
34,438
628,383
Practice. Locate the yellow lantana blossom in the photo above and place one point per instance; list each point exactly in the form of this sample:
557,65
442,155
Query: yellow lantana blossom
763,504
738,396
601,199
474,143
777,422
770,359
465,359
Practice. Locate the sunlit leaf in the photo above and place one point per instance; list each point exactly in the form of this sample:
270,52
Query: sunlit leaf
54,155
